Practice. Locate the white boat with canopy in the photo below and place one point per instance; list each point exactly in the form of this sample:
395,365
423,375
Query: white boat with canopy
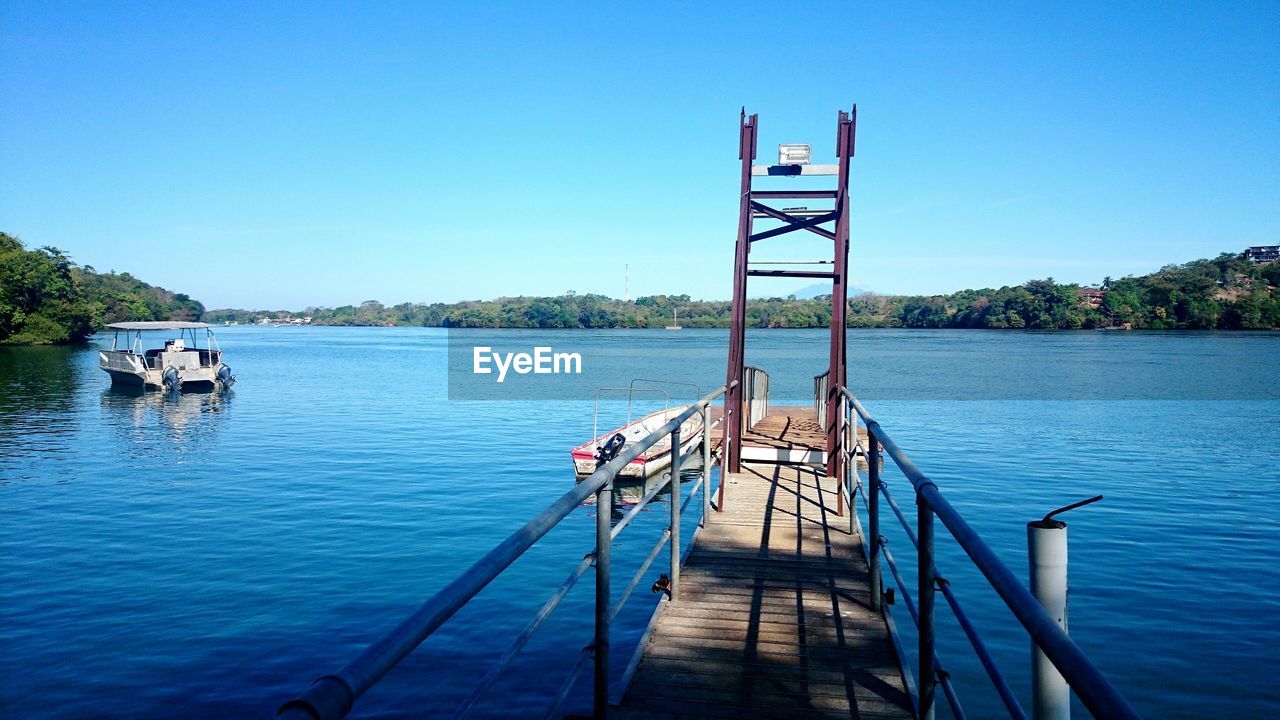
176,365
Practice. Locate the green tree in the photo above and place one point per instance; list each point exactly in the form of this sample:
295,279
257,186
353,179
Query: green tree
40,301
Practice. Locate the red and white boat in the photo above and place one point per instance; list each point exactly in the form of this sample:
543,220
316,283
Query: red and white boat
654,460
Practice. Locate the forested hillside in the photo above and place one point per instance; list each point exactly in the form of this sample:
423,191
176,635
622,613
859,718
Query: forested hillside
1225,293
45,298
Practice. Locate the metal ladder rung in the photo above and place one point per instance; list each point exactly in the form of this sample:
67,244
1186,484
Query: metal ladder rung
805,213
790,262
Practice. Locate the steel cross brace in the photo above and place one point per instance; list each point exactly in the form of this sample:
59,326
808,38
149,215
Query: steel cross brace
795,223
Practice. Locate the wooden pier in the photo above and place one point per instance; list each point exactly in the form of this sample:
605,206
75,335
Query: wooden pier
771,614
772,618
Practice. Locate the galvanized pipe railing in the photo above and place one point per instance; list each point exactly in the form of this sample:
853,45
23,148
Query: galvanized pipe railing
639,574
331,697
979,647
523,638
820,397
944,679
1088,683
755,394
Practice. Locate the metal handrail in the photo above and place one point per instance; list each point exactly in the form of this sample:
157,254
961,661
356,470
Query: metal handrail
979,647
663,539
518,644
755,394
820,397
1088,683
702,484
943,676
331,697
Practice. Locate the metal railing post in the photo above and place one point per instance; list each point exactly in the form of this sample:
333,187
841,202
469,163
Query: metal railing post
873,516
675,514
851,459
706,463
724,474
604,512
924,604
838,465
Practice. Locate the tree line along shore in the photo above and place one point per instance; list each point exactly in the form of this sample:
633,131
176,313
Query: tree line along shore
45,298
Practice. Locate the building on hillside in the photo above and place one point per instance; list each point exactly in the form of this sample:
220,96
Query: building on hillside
1262,254
1091,297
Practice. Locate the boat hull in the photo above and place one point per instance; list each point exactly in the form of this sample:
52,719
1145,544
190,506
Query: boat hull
128,370
126,379
653,462
638,469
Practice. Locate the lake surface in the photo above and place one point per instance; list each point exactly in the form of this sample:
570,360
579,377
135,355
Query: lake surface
209,555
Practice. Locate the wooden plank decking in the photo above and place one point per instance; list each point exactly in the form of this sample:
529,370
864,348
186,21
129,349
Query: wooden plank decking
773,618
787,427
786,434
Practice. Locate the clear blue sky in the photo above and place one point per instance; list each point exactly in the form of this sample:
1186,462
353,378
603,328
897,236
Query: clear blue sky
280,155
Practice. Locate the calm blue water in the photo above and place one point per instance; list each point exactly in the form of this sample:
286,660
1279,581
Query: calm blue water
210,555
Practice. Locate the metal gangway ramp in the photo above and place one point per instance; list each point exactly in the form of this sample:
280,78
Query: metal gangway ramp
772,617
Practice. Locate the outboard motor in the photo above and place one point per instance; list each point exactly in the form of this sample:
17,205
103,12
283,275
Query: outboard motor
225,378
171,379
610,449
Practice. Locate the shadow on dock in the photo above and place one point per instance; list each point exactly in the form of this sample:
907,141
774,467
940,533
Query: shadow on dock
774,619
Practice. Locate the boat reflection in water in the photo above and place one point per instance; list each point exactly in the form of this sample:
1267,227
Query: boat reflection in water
628,492
149,423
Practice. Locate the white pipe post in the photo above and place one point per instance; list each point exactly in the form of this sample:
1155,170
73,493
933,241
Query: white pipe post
1047,552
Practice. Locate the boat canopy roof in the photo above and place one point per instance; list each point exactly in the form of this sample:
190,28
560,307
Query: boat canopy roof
158,325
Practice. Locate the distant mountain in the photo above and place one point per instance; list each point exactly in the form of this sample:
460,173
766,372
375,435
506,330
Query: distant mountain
810,292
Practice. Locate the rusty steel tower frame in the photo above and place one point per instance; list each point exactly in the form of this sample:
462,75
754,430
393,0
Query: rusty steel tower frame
752,205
